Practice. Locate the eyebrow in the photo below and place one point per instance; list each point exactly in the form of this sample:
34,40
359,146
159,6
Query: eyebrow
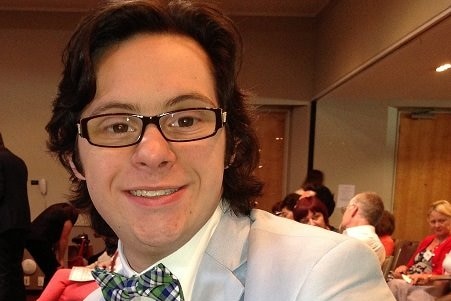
113,105
171,102
190,96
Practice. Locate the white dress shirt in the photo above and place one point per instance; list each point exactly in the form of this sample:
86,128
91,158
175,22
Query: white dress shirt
367,234
183,263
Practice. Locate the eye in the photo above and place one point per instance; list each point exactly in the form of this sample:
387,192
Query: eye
117,125
185,121
119,128
191,119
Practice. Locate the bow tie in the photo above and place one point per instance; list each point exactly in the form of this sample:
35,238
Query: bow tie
158,284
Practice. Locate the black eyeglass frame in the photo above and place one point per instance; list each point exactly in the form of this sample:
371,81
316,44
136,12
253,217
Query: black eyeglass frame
82,125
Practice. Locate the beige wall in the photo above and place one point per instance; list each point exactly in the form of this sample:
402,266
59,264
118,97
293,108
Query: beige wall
278,70
278,56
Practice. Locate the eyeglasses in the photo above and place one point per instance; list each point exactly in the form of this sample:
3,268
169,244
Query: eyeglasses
122,129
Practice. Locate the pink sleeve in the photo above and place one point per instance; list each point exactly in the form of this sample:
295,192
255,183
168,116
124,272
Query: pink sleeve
60,288
77,291
56,286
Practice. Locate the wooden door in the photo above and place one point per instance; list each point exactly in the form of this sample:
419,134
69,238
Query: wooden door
423,170
271,131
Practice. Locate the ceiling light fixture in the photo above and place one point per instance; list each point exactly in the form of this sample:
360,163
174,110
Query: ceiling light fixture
443,68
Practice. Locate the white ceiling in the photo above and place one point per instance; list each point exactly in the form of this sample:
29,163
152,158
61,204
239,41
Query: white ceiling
404,73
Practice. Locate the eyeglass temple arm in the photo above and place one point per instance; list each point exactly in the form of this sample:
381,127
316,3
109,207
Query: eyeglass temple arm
224,117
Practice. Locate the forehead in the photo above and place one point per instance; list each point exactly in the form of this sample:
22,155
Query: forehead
152,68
437,215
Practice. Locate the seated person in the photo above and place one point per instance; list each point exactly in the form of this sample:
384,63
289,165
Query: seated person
385,229
286,206
360,218
322,192
428,258
310,210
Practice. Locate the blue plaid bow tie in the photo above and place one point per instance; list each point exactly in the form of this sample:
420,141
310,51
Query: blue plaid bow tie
158,284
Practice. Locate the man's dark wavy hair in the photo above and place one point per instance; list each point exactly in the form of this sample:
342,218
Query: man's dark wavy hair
115,23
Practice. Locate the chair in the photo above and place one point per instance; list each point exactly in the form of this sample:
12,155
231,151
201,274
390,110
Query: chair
404,249
387,266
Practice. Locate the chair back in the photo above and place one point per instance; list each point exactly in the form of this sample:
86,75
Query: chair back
404,250
387,266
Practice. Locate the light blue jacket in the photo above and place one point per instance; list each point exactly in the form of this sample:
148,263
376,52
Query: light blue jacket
269,258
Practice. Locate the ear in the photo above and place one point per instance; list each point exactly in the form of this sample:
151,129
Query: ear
74,169
354,210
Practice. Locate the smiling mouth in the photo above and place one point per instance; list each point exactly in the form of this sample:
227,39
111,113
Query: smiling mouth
152,193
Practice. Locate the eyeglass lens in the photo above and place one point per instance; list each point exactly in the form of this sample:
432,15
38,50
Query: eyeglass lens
116,130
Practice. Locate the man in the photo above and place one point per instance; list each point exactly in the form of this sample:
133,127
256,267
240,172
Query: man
360,219
14,223
151,124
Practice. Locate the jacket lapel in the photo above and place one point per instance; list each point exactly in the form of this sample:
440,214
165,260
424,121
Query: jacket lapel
223,267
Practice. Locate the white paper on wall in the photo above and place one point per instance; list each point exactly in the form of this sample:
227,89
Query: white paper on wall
345,193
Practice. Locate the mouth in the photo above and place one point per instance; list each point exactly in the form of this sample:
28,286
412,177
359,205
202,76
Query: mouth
153,193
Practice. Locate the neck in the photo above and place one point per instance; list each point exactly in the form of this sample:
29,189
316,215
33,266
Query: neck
441,238
358,221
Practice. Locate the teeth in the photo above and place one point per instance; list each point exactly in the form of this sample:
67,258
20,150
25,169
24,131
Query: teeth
152,193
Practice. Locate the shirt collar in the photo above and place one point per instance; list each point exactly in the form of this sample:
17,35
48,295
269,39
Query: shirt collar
177,262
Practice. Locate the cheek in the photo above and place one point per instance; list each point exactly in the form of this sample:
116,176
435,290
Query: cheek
208,159
99,168
345,217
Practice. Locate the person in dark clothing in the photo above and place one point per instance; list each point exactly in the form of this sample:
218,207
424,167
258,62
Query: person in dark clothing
14,223
49,237
314,177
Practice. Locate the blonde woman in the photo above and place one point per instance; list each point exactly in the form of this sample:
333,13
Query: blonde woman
428,258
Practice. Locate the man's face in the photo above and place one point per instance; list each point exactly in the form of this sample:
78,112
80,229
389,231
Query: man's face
156,194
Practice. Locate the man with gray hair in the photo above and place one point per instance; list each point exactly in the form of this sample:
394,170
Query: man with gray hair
360,218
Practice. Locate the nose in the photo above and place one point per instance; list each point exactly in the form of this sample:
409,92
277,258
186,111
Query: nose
153,151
